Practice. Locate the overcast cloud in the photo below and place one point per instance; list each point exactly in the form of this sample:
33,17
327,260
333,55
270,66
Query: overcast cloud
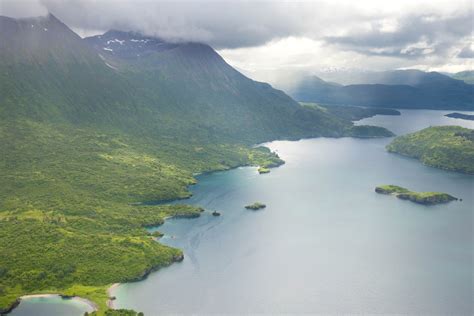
266,39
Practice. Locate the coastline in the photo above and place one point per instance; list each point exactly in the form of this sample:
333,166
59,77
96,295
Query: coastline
110,301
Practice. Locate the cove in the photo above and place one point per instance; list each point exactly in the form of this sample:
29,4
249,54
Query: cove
51,305
326,242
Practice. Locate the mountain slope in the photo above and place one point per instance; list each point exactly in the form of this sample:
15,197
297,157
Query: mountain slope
420,90
193,81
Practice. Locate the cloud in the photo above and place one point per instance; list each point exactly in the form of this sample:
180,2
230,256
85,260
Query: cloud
415,36
466,52
266,36
234,23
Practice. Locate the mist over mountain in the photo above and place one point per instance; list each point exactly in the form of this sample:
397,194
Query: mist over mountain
467,76
398,89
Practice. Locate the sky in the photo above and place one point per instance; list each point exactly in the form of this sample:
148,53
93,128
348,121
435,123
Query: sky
277,40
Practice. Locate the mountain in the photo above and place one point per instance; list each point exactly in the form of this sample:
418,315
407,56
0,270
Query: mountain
466,76
410,77
94,129
396,89
193,83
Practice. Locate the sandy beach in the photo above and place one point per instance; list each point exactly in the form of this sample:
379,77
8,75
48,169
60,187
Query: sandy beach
110,303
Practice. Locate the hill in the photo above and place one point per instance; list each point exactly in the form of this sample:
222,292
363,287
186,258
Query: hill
445,147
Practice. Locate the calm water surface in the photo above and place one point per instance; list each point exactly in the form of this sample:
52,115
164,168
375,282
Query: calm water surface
326,243
49,306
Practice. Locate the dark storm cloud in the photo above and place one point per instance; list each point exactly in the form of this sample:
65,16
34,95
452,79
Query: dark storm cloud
235,24
223,24
415,36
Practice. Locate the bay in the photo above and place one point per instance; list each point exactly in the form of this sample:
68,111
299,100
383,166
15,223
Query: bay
326,243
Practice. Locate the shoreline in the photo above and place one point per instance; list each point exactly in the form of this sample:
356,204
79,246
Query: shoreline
110,301
89,303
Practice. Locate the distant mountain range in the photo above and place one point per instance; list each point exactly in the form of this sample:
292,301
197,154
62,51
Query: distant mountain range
466,76
393,89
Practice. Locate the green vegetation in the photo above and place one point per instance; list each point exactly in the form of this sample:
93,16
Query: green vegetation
368,131
461,116
255,206
70,220
265,159
426,198
157,234
445,147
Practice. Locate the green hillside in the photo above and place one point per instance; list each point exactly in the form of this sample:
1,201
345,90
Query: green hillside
86,137
445,147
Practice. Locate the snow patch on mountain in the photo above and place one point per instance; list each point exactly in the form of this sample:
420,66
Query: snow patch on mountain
115,41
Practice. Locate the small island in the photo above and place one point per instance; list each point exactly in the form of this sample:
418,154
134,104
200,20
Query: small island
156,234
425,198
255,206
461,116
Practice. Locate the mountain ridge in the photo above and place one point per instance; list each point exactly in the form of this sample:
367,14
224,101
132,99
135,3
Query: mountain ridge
420,90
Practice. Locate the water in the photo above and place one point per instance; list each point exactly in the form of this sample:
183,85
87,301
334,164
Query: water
413,120
326,243
51,305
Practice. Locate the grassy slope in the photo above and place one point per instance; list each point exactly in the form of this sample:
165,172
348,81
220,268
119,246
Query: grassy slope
445,147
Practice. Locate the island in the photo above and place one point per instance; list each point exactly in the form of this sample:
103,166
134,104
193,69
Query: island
157,234
425,198
255,206
444,147
462,116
